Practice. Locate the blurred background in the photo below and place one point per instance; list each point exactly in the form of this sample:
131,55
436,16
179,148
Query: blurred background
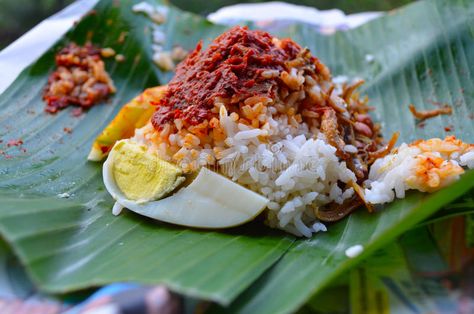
18,16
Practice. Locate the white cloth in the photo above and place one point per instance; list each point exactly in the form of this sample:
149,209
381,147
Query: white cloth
325,20
29,47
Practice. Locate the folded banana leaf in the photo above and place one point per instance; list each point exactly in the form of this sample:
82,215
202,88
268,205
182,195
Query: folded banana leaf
421,54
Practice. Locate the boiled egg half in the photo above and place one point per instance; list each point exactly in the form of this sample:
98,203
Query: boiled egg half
142,182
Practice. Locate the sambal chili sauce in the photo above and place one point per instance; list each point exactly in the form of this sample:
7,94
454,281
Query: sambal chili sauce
80,79
229,68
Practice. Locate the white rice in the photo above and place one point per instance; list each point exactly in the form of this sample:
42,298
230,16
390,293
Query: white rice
157,13
389,177
369,58
296,171
291,166
164,59
350,149
467,160
354,251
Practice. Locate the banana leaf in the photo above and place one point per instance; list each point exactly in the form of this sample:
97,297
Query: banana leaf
414,275
463,207
421,54
74,243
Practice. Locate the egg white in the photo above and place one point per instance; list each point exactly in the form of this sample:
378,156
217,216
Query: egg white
210,201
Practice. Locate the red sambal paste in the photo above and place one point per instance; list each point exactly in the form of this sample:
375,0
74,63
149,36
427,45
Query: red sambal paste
231,68
80,79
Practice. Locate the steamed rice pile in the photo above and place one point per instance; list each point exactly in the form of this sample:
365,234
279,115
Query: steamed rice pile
278,144
267,114
295,171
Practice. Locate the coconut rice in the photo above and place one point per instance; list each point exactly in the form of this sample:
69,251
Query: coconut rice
279,146
285,162
298,138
